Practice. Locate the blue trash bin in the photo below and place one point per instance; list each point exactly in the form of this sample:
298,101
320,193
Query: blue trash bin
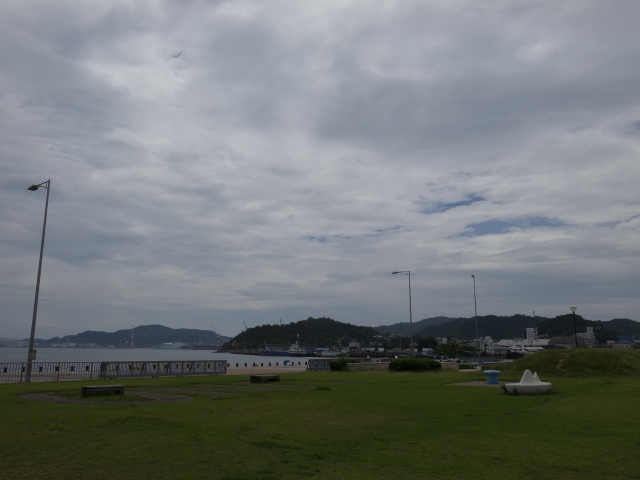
492,376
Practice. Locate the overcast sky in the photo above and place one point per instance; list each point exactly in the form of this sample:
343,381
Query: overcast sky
214,163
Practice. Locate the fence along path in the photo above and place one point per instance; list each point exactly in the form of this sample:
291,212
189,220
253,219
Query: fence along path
14,372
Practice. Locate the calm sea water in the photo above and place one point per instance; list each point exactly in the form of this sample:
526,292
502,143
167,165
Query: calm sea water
10,354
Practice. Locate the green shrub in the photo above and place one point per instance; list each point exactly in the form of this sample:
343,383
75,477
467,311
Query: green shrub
413,364
340,364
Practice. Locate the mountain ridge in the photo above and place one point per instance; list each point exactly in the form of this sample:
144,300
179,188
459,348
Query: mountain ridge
515,326
144,336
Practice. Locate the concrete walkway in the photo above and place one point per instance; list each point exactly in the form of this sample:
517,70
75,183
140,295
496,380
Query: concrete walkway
475,383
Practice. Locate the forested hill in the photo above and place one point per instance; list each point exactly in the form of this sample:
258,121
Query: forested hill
322,332
406,328
144,336
489,325
563,325
515,326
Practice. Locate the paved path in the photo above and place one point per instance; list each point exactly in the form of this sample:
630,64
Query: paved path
475,383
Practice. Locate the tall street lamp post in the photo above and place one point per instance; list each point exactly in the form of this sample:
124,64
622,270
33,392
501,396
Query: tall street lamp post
475,306
575,329
408,273
32,352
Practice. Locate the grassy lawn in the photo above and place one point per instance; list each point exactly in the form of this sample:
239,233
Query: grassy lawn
330,425
580,363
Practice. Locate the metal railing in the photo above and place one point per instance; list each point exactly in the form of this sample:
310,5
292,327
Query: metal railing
15,372
318,364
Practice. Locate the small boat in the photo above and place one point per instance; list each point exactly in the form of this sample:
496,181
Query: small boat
295,350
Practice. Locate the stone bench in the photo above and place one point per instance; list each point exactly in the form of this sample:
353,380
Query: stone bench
95,390
529,384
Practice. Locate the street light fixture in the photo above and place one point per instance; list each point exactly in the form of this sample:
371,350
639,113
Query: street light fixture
475,306
575,329
32,353
408,273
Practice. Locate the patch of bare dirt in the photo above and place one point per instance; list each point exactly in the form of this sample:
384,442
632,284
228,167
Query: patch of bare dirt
159,397
559,365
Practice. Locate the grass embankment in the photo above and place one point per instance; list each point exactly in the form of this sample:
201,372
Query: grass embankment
578,363
327,425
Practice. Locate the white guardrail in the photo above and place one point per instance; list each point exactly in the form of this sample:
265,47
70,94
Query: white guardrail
15,372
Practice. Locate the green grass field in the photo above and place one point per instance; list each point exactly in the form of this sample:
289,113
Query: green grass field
579,363
329,425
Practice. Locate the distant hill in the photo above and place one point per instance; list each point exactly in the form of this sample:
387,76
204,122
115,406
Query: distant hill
624,326
144,336
405,327
515,326
489,325
605,330
322,332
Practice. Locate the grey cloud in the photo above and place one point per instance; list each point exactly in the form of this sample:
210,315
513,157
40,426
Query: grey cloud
492,227
245,160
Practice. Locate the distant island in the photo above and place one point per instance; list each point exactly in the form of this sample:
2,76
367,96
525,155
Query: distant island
317,332
143,336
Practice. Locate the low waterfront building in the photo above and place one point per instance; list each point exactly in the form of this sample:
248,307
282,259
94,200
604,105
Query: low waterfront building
564,342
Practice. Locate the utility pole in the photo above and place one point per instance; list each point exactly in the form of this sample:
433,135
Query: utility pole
575,328
475,306
408,273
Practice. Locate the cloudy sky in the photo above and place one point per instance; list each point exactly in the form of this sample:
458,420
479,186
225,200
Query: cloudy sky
214,163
